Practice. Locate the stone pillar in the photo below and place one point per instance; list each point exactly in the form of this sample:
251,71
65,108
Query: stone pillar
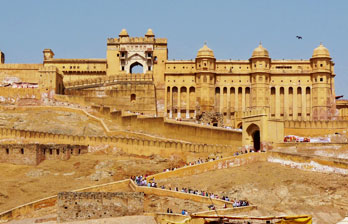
221,100
304,104
228,102
294,110
277,102
236,99
171,102
188,102
286,102
179,102
166,102
243,99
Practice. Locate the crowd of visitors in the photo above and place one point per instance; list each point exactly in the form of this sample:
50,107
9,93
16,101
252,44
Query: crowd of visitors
199,161
143,181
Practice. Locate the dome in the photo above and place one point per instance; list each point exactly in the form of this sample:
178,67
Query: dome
205,51
320,52
123,33
260,52
149,33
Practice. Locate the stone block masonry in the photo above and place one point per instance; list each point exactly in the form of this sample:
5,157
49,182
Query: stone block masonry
33,154
93,205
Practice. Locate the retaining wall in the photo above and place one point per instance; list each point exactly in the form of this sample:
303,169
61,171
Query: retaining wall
315,128
330,150
129,145
177,130
228,162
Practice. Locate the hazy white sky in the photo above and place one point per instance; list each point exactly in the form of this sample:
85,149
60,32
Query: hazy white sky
79,28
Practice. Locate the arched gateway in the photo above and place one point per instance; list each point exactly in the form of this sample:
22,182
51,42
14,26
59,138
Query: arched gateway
253,132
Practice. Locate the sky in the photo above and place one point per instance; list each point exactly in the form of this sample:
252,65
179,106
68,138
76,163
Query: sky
232,28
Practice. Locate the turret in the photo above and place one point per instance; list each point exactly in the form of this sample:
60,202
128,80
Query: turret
149,33
2,57
205,78
322,79
260,77
123,33
48,54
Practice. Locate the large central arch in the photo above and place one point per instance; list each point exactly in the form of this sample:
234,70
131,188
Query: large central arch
253,132
135,64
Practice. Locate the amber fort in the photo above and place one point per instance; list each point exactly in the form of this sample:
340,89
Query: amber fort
193,117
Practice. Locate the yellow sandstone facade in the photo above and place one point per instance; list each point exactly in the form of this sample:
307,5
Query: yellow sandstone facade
300,90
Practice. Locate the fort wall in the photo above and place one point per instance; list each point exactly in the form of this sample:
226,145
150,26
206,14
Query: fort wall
178,130
315,128
128,145
11,95
309,163
33,154
92,205
228,162
329,150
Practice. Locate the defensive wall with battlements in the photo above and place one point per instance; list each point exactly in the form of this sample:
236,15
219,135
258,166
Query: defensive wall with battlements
33,154
128,145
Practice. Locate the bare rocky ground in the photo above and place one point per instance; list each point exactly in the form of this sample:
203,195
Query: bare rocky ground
276,190
58,122
21,184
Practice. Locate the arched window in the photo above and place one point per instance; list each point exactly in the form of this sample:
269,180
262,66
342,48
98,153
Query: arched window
133,97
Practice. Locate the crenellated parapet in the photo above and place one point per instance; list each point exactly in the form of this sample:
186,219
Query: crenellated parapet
109,80
258,112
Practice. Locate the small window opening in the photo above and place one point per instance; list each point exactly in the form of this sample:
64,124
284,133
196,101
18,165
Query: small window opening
7,151
133,97
57,151
149,68
321,79
51,152
22,151
122,68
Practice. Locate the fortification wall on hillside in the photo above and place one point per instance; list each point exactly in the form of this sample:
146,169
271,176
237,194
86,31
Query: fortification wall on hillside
92,205
185,131
129,145
12,95
33,154
330,150
315,128
228,162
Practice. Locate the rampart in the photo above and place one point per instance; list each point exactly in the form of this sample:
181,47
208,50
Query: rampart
309,163
108,80
175,129
315,128
328,150
33,154
12,95
128,145
92,205
228,162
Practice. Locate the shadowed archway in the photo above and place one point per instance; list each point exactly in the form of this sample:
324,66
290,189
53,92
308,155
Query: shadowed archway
254,133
